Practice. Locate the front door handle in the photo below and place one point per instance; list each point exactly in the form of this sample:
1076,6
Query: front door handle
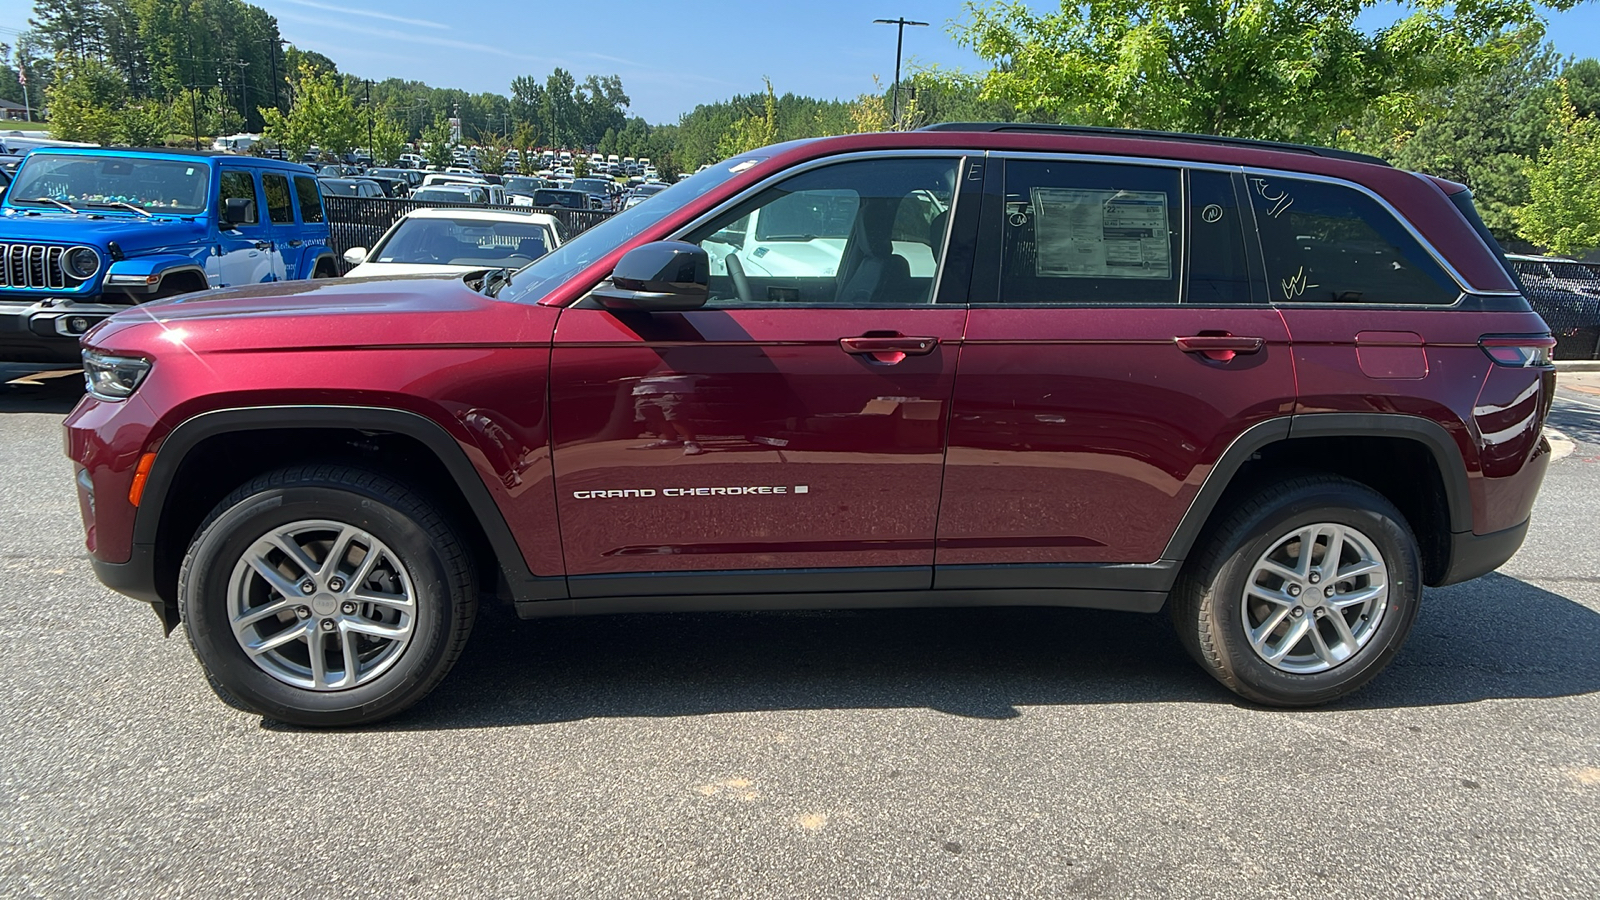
295,243
263,245
888,349
1220,347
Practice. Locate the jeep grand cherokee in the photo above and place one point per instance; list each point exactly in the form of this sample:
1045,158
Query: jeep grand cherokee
1272,389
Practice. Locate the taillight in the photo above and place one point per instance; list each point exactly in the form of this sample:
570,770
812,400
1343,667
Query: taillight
1519,351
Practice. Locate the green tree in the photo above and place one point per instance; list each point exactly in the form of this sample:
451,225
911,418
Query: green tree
492,152
1563,209
323,115
437,137
388,137
1294,69
86,102
1480,132
752,131
527,161
145,124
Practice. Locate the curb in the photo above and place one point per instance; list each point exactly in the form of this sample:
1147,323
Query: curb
1577,365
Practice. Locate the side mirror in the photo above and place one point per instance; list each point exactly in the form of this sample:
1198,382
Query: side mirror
355,256
236,211
659,277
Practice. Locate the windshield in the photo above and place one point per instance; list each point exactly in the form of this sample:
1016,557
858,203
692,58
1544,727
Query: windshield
80,180
532,283
464,242
523,184
592,185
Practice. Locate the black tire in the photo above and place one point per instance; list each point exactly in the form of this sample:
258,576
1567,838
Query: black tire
421,539
1206,601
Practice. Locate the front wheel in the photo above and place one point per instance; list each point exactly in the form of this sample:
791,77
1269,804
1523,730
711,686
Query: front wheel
1302,593
321,595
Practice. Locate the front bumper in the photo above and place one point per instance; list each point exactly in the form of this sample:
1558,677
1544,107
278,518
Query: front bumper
46,330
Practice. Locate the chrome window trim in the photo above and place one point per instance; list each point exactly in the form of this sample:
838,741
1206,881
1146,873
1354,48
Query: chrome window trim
962,158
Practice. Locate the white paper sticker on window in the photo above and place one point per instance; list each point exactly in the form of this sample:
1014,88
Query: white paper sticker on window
1101,234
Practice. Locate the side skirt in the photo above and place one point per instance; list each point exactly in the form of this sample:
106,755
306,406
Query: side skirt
1090,598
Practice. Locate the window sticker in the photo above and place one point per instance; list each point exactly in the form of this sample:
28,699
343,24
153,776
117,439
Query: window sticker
1101,234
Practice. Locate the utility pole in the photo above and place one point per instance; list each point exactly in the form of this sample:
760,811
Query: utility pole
272,58
194,112
899,42
371,154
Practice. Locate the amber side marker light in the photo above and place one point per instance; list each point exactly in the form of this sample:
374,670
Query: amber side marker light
140,475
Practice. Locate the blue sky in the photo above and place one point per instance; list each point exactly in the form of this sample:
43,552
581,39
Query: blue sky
671,54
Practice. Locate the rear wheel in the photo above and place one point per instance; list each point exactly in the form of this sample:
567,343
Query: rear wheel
1302,593
322,595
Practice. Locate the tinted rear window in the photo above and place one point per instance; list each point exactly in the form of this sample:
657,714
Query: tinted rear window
305,189
1327,243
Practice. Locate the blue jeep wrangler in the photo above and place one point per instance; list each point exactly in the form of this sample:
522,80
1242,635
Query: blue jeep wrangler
86,232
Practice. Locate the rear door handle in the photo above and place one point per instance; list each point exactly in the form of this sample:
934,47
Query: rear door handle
295,243
888,349
1220,347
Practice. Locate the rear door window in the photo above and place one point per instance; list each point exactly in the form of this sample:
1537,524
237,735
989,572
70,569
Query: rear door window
305,189
1090,233
280,209
1328,243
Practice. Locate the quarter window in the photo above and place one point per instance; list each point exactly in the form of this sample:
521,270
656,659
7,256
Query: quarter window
240,186
1218,271
1090,233
305,189
869,233
1327,243
280,209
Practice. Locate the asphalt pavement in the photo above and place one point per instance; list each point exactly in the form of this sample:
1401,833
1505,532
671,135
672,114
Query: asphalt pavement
946,753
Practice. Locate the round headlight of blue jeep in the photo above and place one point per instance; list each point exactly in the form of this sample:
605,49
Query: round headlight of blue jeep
81,263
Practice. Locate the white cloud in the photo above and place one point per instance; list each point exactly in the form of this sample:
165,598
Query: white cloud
351,11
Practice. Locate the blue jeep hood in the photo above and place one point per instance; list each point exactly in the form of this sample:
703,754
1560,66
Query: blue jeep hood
131,232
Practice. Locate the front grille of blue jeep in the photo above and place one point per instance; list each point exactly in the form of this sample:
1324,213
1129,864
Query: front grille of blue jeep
34,267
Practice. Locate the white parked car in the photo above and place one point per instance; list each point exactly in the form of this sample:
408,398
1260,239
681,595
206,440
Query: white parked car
442,241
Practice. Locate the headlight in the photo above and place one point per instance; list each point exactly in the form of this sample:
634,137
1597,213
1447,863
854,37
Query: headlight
81,262
112,377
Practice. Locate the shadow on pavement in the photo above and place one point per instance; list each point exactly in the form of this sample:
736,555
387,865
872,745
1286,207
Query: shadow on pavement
1489,639
1579,422
39,389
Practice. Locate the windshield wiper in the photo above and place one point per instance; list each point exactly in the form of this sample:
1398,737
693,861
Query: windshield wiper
118,204
59,203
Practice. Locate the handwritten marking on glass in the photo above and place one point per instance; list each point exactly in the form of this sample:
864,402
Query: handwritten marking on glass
1296,284
1279,203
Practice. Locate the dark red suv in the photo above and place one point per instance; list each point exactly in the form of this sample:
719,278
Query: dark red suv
1276,389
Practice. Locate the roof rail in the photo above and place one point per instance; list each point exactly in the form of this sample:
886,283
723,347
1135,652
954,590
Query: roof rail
1141,134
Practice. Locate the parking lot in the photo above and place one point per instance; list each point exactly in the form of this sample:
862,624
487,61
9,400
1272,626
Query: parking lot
971,753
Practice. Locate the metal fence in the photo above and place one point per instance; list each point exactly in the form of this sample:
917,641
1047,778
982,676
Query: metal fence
1567,295
360,221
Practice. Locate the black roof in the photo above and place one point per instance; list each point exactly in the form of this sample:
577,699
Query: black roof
1142,134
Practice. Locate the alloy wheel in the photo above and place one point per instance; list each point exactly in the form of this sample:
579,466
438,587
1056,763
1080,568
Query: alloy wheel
1315,598
321,605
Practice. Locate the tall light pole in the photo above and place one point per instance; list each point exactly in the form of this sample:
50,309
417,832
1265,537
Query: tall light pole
273,46
371,154
899,42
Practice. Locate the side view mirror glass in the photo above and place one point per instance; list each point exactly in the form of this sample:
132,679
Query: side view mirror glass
355,256
662,276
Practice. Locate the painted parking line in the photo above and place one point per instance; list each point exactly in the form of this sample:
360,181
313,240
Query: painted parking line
1584,403
38,378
